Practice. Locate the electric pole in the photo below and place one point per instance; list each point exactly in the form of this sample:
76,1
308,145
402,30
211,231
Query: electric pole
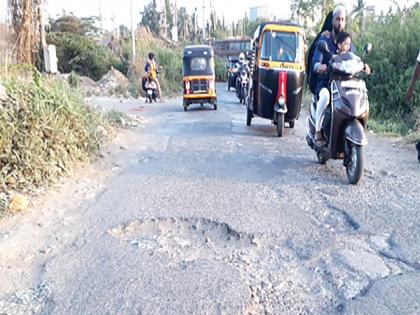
204,20
42,32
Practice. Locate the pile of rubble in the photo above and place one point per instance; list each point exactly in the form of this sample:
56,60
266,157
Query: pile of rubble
113,83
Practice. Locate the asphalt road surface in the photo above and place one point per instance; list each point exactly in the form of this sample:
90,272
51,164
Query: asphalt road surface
196,213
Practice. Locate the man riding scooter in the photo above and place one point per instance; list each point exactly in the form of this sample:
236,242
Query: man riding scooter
319,68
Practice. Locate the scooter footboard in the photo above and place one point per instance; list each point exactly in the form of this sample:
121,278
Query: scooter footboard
355,132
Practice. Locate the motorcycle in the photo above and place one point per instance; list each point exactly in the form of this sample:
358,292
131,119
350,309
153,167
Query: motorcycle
242,83
345,120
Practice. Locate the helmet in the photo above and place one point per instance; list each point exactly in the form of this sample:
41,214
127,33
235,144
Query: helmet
241,57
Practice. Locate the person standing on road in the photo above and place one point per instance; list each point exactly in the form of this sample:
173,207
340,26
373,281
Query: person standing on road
410,93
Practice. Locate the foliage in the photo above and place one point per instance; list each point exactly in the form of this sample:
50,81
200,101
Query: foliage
220,68
151,17
395,40
74,25
83,56
45,126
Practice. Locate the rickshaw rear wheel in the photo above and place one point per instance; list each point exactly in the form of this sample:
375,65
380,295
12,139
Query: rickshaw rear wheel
292,124
215,106
185,108
280,125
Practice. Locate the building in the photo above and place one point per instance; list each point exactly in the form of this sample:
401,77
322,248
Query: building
271,12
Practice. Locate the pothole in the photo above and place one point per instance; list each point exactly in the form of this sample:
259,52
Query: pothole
283,275
33,301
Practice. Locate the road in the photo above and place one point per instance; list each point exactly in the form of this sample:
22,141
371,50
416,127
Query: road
196,213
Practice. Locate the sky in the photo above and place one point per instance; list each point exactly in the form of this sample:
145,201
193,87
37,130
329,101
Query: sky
116,12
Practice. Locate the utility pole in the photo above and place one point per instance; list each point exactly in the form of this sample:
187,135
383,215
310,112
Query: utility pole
133,37
165,28
204,20
42,32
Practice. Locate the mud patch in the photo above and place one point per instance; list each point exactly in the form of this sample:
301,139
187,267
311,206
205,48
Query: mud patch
283,275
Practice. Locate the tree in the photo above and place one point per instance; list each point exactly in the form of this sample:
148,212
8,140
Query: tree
25,22
305,10
75,25
169,14
151,17
184,24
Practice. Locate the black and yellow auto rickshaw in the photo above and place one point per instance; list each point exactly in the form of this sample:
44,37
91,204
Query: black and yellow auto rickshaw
278,72
199,76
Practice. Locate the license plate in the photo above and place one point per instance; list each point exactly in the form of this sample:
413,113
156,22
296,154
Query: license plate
149,92
351,84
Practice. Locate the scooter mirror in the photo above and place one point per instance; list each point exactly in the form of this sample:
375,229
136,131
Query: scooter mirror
322,46
368,48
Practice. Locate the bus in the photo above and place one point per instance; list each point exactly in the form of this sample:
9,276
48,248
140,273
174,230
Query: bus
231,47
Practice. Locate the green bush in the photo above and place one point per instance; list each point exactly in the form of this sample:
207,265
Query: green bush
221,70
44,127
82,55
395,40
171,62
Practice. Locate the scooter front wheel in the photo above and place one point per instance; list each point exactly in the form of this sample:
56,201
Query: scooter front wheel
355,162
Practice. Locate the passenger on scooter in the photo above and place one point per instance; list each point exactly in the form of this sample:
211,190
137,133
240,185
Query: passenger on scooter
151,69
323,95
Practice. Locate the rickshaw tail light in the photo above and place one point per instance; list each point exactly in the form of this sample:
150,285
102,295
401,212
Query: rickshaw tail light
187,87
211,84
282,88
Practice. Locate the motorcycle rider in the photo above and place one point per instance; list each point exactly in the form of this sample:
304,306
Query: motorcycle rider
321,61
242,64
151,69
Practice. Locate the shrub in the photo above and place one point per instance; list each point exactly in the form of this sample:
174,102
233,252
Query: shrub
82,55
395,41
221,70
44,126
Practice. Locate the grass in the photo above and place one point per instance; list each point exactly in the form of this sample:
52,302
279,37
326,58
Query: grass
45,126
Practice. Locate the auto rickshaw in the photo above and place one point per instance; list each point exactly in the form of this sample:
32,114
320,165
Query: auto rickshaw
277,72
199,76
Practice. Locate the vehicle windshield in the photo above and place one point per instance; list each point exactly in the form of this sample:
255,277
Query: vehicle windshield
198,64
282,46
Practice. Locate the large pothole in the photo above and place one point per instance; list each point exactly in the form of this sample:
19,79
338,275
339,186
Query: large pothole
282,276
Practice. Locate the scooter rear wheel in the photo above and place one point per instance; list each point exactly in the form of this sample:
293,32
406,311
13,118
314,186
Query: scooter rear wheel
321,158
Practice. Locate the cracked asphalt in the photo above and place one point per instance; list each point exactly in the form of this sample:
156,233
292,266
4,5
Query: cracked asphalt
195,213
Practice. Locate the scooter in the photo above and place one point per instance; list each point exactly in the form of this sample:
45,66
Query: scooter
151,90
345,120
